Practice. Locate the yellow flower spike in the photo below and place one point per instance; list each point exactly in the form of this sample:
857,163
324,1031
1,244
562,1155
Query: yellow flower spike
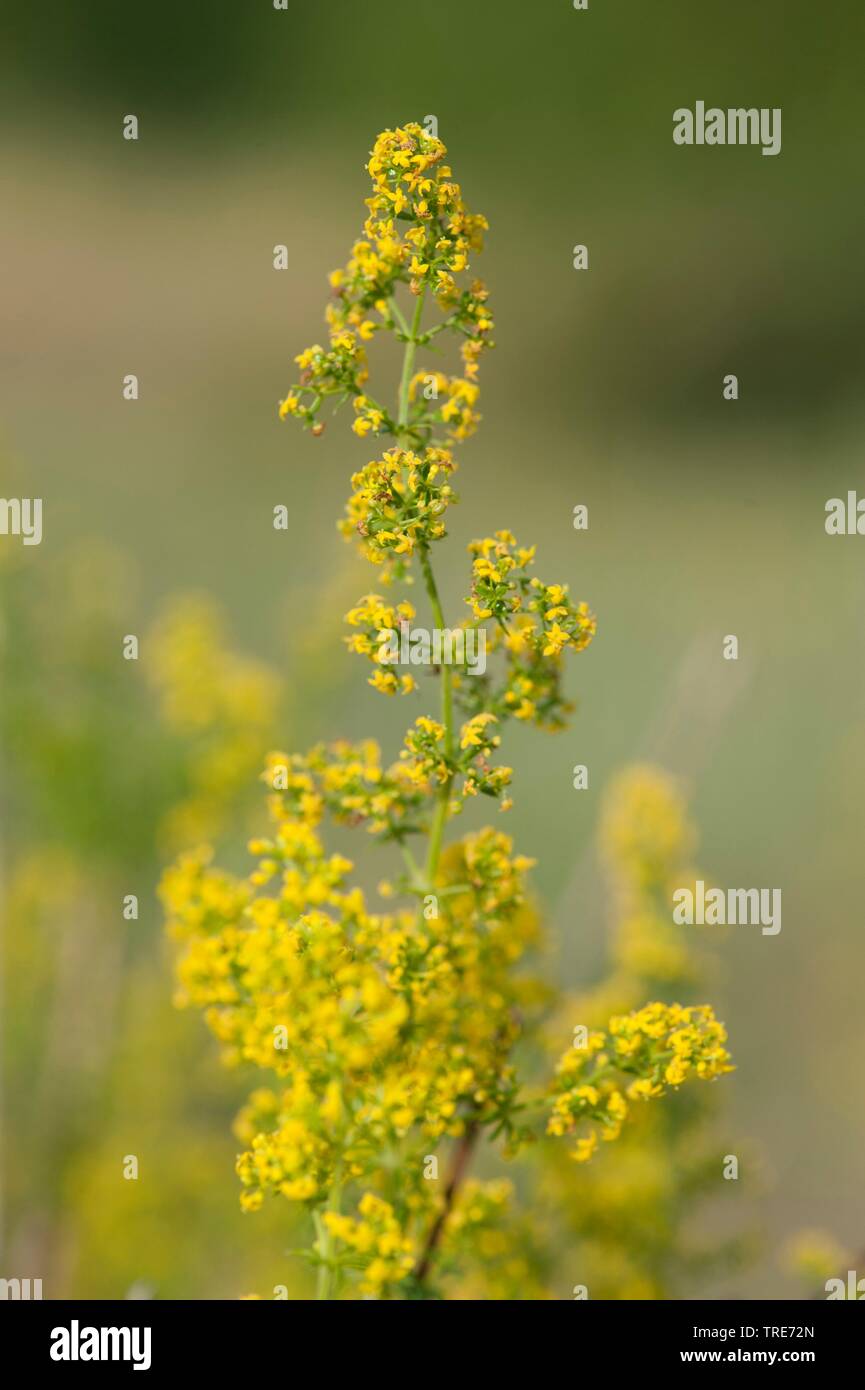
391,1037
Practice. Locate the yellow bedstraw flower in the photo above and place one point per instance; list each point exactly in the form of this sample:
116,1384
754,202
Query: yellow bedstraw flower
390,1038
660,1046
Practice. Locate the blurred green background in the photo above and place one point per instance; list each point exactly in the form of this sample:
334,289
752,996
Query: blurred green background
706,518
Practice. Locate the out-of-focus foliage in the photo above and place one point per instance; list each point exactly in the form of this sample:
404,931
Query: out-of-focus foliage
628,1227
105,760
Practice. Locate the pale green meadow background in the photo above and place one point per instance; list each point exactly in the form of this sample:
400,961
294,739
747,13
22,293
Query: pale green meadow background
706,518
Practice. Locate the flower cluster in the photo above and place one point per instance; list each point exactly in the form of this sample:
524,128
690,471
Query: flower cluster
418,233
503,590
375,620
350,783
642,1055
338,370
374,1241
370,1019
532,625
631,1221
397,505
449,405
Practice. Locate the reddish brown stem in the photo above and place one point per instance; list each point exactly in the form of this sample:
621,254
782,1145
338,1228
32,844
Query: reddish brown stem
461,1160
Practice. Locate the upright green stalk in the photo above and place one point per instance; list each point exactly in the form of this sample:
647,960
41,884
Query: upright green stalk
327,1283
441,810
408,364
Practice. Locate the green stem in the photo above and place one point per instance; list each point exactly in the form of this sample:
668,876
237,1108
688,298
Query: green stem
440,814
408,364
441,810
327,1282
414,873
397,316
324,1248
